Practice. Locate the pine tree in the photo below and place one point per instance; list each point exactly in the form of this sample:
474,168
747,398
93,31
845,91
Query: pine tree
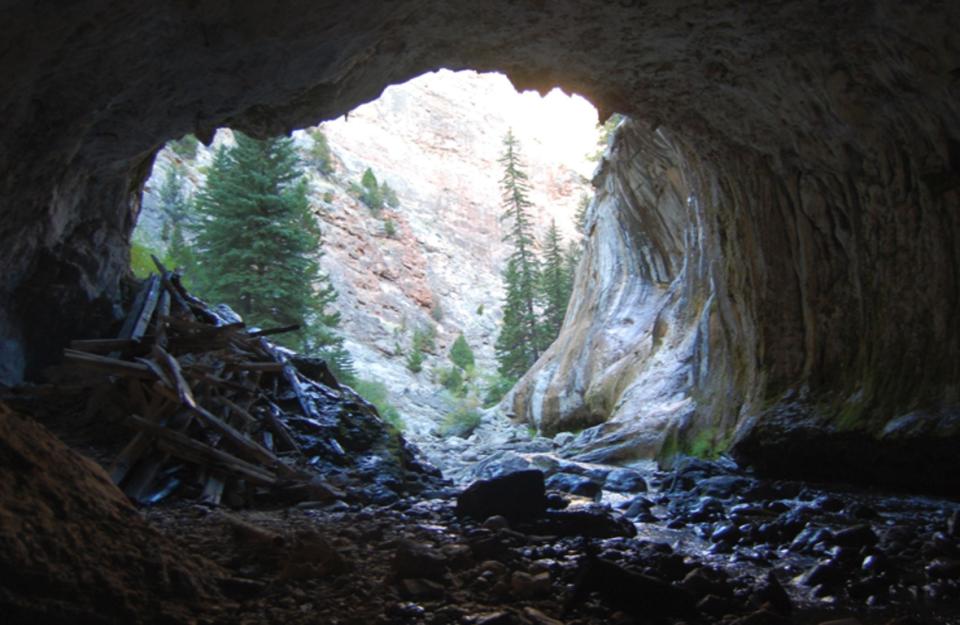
580,217
571,258
319,152
258,246
553,283
518,345
515,349
370,193
461,354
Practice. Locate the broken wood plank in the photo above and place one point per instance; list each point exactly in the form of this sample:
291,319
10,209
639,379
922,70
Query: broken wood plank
113,365
105,346
279,429
238,410
269,367
142,320
213,489
160,326
274,331
186,448
174,375
126,330
246,447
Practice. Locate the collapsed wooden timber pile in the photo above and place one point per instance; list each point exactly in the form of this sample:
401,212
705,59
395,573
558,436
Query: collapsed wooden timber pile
206,394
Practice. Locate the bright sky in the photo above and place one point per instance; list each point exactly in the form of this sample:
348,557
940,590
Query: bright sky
563,126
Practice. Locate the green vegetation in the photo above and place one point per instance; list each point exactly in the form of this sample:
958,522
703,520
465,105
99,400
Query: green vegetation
389,195
537,290
480,309
496,387
464,419
518,345
555,286
185,147
425,338
140,262
580,217
604,133
377,394
389,228
415,361
370,193
461,354
319,154
257,247
452,380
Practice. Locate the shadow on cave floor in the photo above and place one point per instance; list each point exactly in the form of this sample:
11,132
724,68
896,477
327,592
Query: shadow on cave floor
707,543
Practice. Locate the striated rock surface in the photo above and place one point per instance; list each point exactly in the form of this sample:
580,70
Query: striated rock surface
818,141
737,304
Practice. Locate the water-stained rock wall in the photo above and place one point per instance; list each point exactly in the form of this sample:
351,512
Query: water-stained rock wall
805,318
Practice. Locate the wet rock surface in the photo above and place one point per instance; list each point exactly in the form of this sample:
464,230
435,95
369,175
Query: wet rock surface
741,549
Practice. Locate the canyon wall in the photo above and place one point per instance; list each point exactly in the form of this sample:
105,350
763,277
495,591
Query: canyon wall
800,318
436,141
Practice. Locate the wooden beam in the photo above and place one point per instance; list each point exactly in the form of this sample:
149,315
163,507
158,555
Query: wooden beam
186,448
113,365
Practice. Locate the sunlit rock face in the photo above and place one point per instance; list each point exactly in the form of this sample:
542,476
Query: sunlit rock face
818,140
754,304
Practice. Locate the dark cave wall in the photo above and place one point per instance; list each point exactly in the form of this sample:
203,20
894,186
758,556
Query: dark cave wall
820,139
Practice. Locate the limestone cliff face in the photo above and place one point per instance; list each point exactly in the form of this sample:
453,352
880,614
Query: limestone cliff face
436,141
750,304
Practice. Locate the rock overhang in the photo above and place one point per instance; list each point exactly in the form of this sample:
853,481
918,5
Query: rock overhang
836,120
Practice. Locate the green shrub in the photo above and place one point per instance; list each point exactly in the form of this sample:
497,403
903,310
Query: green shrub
319,153
389,228
140,262
497,386
480,309
425,339
185,147
370,191
452,380
328,197
464,419
389,195
377,394
415,361
461,354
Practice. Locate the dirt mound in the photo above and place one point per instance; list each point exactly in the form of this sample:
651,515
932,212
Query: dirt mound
72,548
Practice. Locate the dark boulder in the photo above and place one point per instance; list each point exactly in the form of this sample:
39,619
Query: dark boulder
579,485
625,481
518,496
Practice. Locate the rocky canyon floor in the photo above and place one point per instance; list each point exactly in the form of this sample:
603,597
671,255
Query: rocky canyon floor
704,543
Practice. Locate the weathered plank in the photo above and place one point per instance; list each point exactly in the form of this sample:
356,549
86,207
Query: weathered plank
113,365
195,452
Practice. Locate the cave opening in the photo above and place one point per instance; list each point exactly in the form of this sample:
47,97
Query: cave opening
413,239
753,320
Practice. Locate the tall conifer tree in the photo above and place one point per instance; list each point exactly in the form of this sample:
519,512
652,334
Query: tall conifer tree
554,285
518,345
258,246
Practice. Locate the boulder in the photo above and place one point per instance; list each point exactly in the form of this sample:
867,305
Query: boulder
518,496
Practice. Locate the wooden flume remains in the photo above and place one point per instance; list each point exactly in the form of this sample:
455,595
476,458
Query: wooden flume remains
206,391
